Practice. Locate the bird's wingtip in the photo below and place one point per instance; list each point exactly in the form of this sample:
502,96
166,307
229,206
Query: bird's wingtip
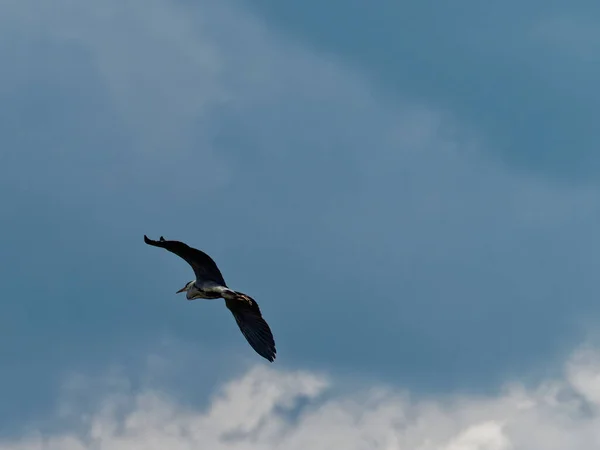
158,243
271,356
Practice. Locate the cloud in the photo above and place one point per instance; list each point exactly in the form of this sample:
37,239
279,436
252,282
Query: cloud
338,206
570,34
268,408
134,101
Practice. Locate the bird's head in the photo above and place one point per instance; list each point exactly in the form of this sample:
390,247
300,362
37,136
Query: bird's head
186,288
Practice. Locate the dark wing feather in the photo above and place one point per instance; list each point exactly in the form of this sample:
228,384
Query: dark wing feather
204,266
252,325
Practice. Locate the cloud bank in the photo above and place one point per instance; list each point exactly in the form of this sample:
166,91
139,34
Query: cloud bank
387,210
267,408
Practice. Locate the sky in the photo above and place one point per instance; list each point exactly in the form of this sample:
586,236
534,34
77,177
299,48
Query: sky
410,192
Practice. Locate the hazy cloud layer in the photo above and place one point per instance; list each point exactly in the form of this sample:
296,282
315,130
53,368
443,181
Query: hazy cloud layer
522,72
295,410
374,231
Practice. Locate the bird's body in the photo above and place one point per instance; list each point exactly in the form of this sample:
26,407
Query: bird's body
210,284
204,290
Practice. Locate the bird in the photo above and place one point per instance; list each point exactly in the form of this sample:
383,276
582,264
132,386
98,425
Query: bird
210,284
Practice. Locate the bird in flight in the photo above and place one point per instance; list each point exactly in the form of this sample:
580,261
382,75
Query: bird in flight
209,284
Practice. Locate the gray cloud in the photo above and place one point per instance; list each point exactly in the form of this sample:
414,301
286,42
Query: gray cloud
374,231
573,34
536,102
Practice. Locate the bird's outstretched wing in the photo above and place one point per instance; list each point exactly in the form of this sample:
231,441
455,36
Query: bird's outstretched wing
204,266
254,328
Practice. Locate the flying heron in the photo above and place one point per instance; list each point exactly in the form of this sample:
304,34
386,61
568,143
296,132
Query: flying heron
209,284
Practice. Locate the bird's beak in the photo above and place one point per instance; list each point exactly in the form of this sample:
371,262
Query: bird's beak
181,290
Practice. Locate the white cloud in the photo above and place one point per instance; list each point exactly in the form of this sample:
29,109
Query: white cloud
294,410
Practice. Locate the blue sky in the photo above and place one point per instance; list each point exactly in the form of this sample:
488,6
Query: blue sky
409,192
